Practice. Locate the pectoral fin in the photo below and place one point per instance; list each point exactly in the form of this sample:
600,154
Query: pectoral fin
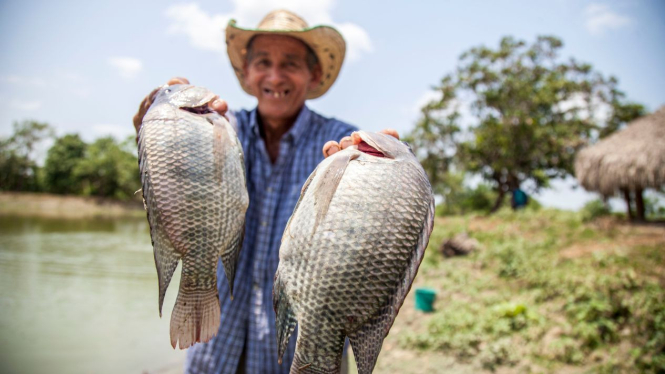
328,182
285,319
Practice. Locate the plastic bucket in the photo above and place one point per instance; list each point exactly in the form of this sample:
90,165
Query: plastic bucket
425,299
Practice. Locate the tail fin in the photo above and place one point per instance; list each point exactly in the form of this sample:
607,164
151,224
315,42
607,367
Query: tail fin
195,317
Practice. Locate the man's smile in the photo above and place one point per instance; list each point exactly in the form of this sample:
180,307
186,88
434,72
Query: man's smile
277,94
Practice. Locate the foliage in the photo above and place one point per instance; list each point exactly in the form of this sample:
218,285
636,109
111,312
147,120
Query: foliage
536,296
653,206
18,167
531,113
109,169
594,209
466,200
61,161
105,168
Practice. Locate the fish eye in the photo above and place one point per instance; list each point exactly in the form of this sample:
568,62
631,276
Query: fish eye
168,90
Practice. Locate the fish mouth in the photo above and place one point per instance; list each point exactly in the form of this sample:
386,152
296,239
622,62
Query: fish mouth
201,109
375,144
368,149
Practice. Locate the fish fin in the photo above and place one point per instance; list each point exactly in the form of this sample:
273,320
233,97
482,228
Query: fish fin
166,261
285,319
366,343
166,257
195,317
230,258
327,184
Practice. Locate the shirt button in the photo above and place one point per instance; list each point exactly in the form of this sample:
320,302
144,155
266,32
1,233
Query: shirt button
256,286
264,223
269,189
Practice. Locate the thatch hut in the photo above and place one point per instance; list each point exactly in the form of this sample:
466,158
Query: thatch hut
627,161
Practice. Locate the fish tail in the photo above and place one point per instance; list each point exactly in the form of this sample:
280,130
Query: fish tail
195,317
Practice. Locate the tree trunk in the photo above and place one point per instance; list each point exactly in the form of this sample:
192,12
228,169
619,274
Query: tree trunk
639,204
499,200
626,196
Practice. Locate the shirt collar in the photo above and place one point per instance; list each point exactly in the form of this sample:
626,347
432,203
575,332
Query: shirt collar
295,132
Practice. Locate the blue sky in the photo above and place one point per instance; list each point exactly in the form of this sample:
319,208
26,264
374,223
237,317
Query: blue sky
84,66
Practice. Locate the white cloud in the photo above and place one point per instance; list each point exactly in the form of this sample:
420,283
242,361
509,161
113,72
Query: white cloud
127,67
206,31
357,40
23,81
424,99
26,105
203,30
599,18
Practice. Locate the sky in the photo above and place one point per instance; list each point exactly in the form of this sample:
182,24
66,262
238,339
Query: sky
84,66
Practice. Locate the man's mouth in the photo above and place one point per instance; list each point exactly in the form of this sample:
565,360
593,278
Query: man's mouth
277,94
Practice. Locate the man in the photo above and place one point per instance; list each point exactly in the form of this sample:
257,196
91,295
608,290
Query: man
282,141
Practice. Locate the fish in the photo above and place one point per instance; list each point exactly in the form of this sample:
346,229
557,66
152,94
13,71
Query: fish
195,194
350,252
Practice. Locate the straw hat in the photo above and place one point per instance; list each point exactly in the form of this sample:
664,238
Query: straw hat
326,42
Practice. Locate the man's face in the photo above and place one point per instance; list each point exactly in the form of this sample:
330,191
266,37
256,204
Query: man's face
278,75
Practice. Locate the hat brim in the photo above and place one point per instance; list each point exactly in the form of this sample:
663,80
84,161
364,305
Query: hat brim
326,42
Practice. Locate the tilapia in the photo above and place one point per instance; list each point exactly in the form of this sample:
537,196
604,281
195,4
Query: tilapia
350,253
195,194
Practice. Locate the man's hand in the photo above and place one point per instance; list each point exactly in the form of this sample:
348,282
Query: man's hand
332,147
217,104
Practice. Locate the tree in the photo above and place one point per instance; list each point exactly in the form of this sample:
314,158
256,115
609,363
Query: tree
109,169
530,113
18,165
61,161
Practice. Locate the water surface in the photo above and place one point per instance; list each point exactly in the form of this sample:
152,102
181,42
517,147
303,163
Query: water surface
80,296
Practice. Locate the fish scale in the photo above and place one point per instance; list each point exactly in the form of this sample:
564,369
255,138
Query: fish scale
347,274
192,171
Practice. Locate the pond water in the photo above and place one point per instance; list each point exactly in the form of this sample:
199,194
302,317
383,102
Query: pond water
80,296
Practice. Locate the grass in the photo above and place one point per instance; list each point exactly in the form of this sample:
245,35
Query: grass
547,292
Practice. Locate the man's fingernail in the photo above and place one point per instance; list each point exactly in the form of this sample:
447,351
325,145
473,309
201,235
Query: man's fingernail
217,103
332,149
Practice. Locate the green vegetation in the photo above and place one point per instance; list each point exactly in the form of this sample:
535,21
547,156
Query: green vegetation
531,113
103,168
547,290
594,209
18,168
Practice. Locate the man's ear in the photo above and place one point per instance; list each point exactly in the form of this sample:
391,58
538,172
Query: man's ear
245,71
317,74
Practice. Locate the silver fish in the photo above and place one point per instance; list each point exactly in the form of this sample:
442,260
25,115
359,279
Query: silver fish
194,191
350,253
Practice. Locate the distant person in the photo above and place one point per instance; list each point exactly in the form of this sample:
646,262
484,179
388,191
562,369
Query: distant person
519,199
282,63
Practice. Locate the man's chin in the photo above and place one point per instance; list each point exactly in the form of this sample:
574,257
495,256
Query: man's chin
278,112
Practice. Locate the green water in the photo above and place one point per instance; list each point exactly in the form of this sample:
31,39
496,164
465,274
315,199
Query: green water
80,296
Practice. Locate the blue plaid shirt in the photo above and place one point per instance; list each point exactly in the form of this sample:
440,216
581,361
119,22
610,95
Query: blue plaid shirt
248,322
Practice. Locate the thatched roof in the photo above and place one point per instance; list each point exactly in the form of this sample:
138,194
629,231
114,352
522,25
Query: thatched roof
631,158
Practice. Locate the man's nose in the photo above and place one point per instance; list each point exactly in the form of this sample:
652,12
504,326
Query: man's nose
275,75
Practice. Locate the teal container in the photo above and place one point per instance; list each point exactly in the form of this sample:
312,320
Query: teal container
425,299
